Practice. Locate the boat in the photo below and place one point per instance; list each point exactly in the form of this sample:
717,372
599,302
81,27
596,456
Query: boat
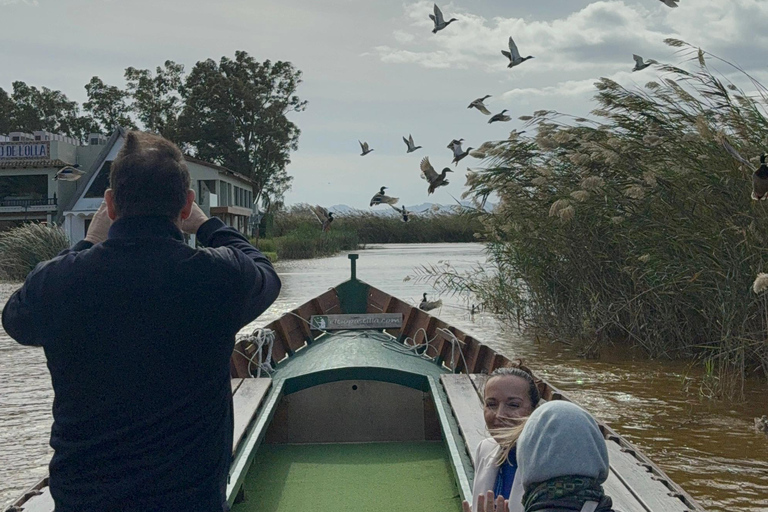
357,400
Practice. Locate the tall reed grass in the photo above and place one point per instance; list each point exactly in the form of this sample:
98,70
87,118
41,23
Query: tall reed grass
23,247
635,225
295,233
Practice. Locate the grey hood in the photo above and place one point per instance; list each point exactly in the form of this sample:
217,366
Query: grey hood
561,439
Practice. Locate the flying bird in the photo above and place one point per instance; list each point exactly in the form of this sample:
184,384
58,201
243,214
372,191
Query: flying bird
513,55
402,211
381,198
323,216
454,142
364,147
759,176
409,143
478,104
435,180
458,154
670,3
500,117
426,305
69,173
440,23
640,65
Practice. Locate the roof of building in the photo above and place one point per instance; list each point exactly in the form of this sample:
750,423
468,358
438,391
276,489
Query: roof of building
219,168
23,164
82,183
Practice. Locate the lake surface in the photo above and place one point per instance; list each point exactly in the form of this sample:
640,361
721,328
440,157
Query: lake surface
709,448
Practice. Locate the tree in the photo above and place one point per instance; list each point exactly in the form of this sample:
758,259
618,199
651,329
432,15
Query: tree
49,110
157,100
6,112
235,114
108,105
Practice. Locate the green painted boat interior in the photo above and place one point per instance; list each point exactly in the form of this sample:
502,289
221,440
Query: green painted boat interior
353,477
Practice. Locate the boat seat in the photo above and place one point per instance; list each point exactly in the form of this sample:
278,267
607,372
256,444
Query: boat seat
247,398
467,409
42,502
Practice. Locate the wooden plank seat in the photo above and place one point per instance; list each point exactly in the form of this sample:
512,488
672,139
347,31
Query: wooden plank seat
247,399
41,501
648,490
467,409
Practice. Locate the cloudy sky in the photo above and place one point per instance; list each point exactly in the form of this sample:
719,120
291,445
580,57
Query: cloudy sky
374,71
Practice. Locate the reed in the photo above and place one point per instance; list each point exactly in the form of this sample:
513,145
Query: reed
23,247
635,225
370,227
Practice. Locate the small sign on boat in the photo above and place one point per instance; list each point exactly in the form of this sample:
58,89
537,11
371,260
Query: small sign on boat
366,321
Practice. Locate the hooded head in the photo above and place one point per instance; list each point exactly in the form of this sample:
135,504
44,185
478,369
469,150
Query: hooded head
561,439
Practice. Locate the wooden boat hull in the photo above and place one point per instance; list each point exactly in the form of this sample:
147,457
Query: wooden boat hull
437,386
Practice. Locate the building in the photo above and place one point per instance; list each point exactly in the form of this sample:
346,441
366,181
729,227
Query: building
28,192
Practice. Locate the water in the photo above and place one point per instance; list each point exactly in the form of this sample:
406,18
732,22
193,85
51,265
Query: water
710,449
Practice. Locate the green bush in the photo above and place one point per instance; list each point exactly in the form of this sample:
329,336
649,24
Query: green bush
22,248
308,241
634,226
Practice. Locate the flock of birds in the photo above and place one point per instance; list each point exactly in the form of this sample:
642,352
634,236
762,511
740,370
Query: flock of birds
428,173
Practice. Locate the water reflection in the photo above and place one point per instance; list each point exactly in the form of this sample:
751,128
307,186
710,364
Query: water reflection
710,449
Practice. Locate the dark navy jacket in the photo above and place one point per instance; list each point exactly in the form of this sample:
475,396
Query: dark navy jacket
138,332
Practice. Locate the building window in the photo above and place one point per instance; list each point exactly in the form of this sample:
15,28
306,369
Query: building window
101,183
34,186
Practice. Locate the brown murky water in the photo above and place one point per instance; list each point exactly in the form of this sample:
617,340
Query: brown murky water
709,448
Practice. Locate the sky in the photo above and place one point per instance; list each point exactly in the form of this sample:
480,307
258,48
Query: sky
373,70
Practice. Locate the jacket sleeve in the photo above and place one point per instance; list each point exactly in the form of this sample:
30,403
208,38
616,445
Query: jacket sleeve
256,274
32,313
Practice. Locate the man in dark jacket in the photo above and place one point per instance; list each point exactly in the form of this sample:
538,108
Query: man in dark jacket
138,329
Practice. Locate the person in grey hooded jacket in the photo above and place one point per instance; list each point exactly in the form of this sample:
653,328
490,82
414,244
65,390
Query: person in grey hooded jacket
562,461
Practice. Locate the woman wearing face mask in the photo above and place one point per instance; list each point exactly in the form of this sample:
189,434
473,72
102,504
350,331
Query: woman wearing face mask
510,394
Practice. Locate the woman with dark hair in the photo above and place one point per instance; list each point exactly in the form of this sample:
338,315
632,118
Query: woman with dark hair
562,461
509,396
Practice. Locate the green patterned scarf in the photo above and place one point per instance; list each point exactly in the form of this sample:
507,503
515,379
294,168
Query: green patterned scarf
566,493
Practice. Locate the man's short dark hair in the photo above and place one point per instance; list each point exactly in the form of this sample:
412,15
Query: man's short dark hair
149,177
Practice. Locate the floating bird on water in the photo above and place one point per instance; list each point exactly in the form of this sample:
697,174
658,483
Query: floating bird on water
435,180
501,117
670,3
458,154
759,176
409,143
639,64
364,147
513,55
323,216
479,105
454,142
438,20
402,211
426,305
761,424
69,173
381,198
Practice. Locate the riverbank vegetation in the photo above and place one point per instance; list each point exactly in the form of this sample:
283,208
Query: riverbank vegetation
23,247
634,226
295,232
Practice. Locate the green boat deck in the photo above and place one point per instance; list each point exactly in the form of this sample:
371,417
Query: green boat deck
351,478
343,356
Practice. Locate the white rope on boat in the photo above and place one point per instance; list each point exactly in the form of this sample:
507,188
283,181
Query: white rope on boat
259,338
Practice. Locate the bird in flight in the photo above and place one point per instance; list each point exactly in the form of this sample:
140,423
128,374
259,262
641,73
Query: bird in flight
640,65
439,21
364,147
500,117
435,180
478,104
409,143
513,55
381,198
